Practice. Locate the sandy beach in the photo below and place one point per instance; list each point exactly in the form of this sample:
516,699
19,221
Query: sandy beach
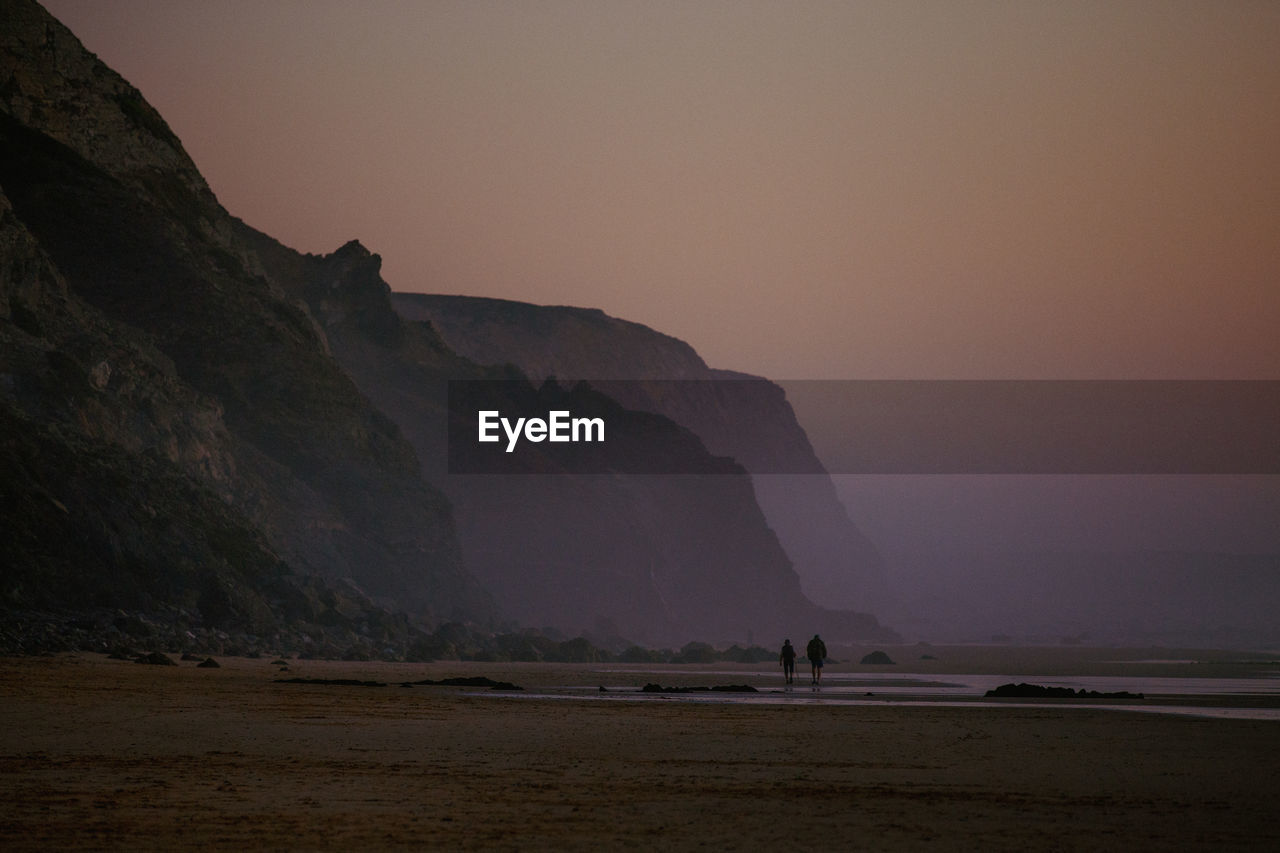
100,753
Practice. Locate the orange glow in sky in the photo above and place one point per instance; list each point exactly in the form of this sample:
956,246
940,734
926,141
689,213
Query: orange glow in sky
906,189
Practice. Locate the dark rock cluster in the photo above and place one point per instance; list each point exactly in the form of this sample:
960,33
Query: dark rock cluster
876,658
375,635
716,688
1039,691
369,633
464,681
155,659
332,682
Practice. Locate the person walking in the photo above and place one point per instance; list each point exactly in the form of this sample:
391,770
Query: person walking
788,660
816,651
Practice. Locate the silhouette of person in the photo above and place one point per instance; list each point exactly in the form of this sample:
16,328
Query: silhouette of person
788,660
816,651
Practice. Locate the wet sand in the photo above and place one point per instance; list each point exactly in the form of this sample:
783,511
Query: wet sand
96,753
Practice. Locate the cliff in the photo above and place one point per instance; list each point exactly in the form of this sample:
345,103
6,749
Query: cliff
735,414
202,422
658,559
168,392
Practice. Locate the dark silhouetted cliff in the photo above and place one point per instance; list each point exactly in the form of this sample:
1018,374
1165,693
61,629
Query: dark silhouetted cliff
182,417
201,422
735,414
656,558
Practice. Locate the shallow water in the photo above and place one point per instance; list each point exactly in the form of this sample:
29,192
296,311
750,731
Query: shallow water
823,697
1233,698
962,685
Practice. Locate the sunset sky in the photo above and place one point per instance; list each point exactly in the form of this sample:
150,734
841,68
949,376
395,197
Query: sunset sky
803,190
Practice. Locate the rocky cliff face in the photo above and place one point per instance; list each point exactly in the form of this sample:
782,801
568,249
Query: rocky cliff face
737,415
187,422
658,559
146,351
97,441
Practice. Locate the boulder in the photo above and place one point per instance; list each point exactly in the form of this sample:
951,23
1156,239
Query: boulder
155,659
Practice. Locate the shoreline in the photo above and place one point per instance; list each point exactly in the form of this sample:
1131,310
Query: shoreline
101,753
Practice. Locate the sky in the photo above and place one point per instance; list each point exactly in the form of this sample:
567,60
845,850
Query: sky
803,190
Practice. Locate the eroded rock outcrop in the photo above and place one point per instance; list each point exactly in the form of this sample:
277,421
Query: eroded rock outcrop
175,429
